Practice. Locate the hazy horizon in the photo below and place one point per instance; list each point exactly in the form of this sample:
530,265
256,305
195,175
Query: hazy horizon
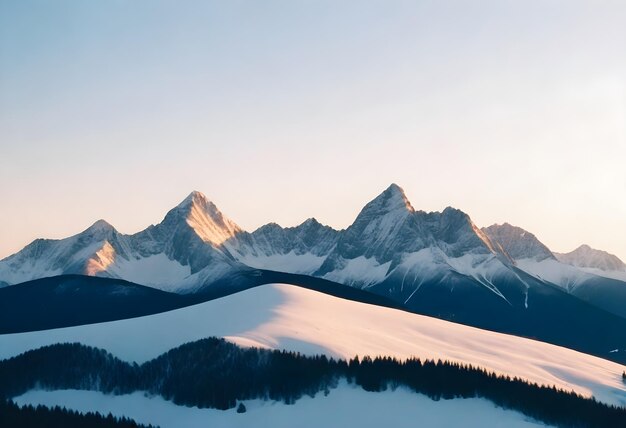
512,111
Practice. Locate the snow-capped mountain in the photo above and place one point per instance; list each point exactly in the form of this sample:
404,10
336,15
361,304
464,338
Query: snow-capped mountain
415,257
585,282
84,253
389,237
183,252
301,249
595,261
394,250
193,247
532,256
518,243
438,263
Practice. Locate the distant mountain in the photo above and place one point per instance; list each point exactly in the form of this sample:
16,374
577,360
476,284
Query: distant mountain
534,258
389,238
518,243
182,253
435,263
595,261
301,249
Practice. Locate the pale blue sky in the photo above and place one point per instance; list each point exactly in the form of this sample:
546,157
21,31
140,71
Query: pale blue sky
282,110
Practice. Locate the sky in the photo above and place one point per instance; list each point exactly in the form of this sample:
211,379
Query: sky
512,111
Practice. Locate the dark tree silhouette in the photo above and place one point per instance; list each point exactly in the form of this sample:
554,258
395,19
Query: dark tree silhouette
218,374
11,415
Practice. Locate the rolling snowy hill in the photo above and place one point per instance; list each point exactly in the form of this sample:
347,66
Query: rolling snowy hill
287,317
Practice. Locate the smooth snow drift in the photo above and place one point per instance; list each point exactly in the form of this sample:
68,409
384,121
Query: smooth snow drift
282,316
345,406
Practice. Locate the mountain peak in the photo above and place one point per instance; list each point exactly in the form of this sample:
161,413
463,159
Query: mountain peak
203,216
193,198
312,221
100,226
208,221
395,188
451,211
517,242
587,257
391,199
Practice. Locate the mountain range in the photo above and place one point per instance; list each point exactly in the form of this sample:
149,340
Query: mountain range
436,263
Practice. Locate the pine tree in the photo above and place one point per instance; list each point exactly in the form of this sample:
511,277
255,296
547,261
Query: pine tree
241,408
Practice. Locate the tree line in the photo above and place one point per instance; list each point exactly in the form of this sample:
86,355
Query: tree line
11,415
217,374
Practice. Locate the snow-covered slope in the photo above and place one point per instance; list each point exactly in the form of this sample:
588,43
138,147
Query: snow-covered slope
551,270
287,317
345,406
594,261
301,249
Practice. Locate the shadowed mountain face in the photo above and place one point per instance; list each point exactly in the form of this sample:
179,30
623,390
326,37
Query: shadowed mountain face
439,263
70,300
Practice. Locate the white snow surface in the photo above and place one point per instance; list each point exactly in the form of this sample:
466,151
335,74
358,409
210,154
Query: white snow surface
158,271
360,270
561,274
612,274
305,263
280,316
27,272
424,264
345,406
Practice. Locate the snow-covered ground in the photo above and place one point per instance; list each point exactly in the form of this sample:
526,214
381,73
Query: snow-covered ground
432,262
612,274
345,406
157,271
282,316
306,263
561,274
360,270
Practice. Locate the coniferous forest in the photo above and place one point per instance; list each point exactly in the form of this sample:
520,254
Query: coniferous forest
11,415
217,374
